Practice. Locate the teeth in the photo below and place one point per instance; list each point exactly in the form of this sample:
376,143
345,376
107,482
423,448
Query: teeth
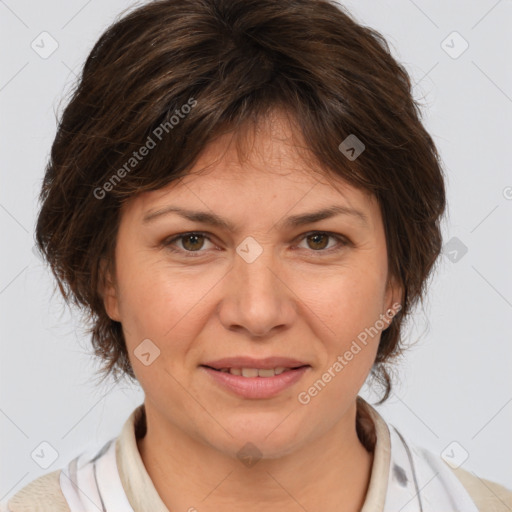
269,372
250,372
255,372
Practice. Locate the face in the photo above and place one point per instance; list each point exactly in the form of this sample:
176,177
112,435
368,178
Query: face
267,282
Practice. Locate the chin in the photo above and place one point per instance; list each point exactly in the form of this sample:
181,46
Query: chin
262,439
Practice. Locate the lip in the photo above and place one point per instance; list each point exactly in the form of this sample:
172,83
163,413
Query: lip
250,362
256,387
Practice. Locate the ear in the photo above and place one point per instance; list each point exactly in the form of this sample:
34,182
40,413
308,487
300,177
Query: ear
393,300
108,291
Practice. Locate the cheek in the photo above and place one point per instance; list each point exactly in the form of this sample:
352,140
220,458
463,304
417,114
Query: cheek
161,302
146,297
345,306
347,300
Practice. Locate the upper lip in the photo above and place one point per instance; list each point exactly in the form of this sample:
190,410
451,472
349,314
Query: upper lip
250,362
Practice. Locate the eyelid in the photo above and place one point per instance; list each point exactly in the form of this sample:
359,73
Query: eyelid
341,239
168,242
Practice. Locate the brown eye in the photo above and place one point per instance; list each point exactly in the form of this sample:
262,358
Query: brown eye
318,241
193,242
188,244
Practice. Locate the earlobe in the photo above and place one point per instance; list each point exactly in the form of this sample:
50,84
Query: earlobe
108,291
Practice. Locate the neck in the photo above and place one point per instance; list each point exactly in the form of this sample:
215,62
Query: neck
330,470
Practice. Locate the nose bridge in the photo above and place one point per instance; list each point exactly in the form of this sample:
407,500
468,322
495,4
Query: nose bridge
256,266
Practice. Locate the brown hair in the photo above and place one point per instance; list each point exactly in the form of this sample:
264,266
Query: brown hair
232,62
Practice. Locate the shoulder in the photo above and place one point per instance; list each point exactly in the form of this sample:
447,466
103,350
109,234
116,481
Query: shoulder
42,495
488,496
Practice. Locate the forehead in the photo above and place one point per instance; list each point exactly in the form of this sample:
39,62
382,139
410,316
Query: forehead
265,166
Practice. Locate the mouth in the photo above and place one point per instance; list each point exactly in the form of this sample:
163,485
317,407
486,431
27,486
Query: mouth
256,372
255,383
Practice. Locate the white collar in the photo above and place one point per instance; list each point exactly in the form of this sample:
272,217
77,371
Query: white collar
404,476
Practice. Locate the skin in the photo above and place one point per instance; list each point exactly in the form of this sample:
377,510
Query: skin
303,297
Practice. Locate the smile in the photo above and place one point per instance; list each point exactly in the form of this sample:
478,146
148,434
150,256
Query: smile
255,382
255,372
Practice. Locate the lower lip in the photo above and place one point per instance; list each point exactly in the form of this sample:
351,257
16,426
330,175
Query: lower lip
257,387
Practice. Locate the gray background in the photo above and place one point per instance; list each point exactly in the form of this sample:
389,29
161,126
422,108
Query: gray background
454,384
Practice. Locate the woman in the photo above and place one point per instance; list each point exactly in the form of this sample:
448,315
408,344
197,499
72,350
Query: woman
242,197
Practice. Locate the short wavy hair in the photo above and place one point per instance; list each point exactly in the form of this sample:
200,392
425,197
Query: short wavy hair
231,62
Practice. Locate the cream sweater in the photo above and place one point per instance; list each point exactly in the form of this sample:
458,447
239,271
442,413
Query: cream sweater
44,494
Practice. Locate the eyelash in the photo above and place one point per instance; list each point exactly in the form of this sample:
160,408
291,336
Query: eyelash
342,242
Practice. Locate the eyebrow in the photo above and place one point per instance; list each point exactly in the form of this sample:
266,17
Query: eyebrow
290,222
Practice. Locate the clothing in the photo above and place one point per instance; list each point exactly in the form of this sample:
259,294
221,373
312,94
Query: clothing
115,479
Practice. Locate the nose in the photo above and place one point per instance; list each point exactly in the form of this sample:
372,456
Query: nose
256,297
